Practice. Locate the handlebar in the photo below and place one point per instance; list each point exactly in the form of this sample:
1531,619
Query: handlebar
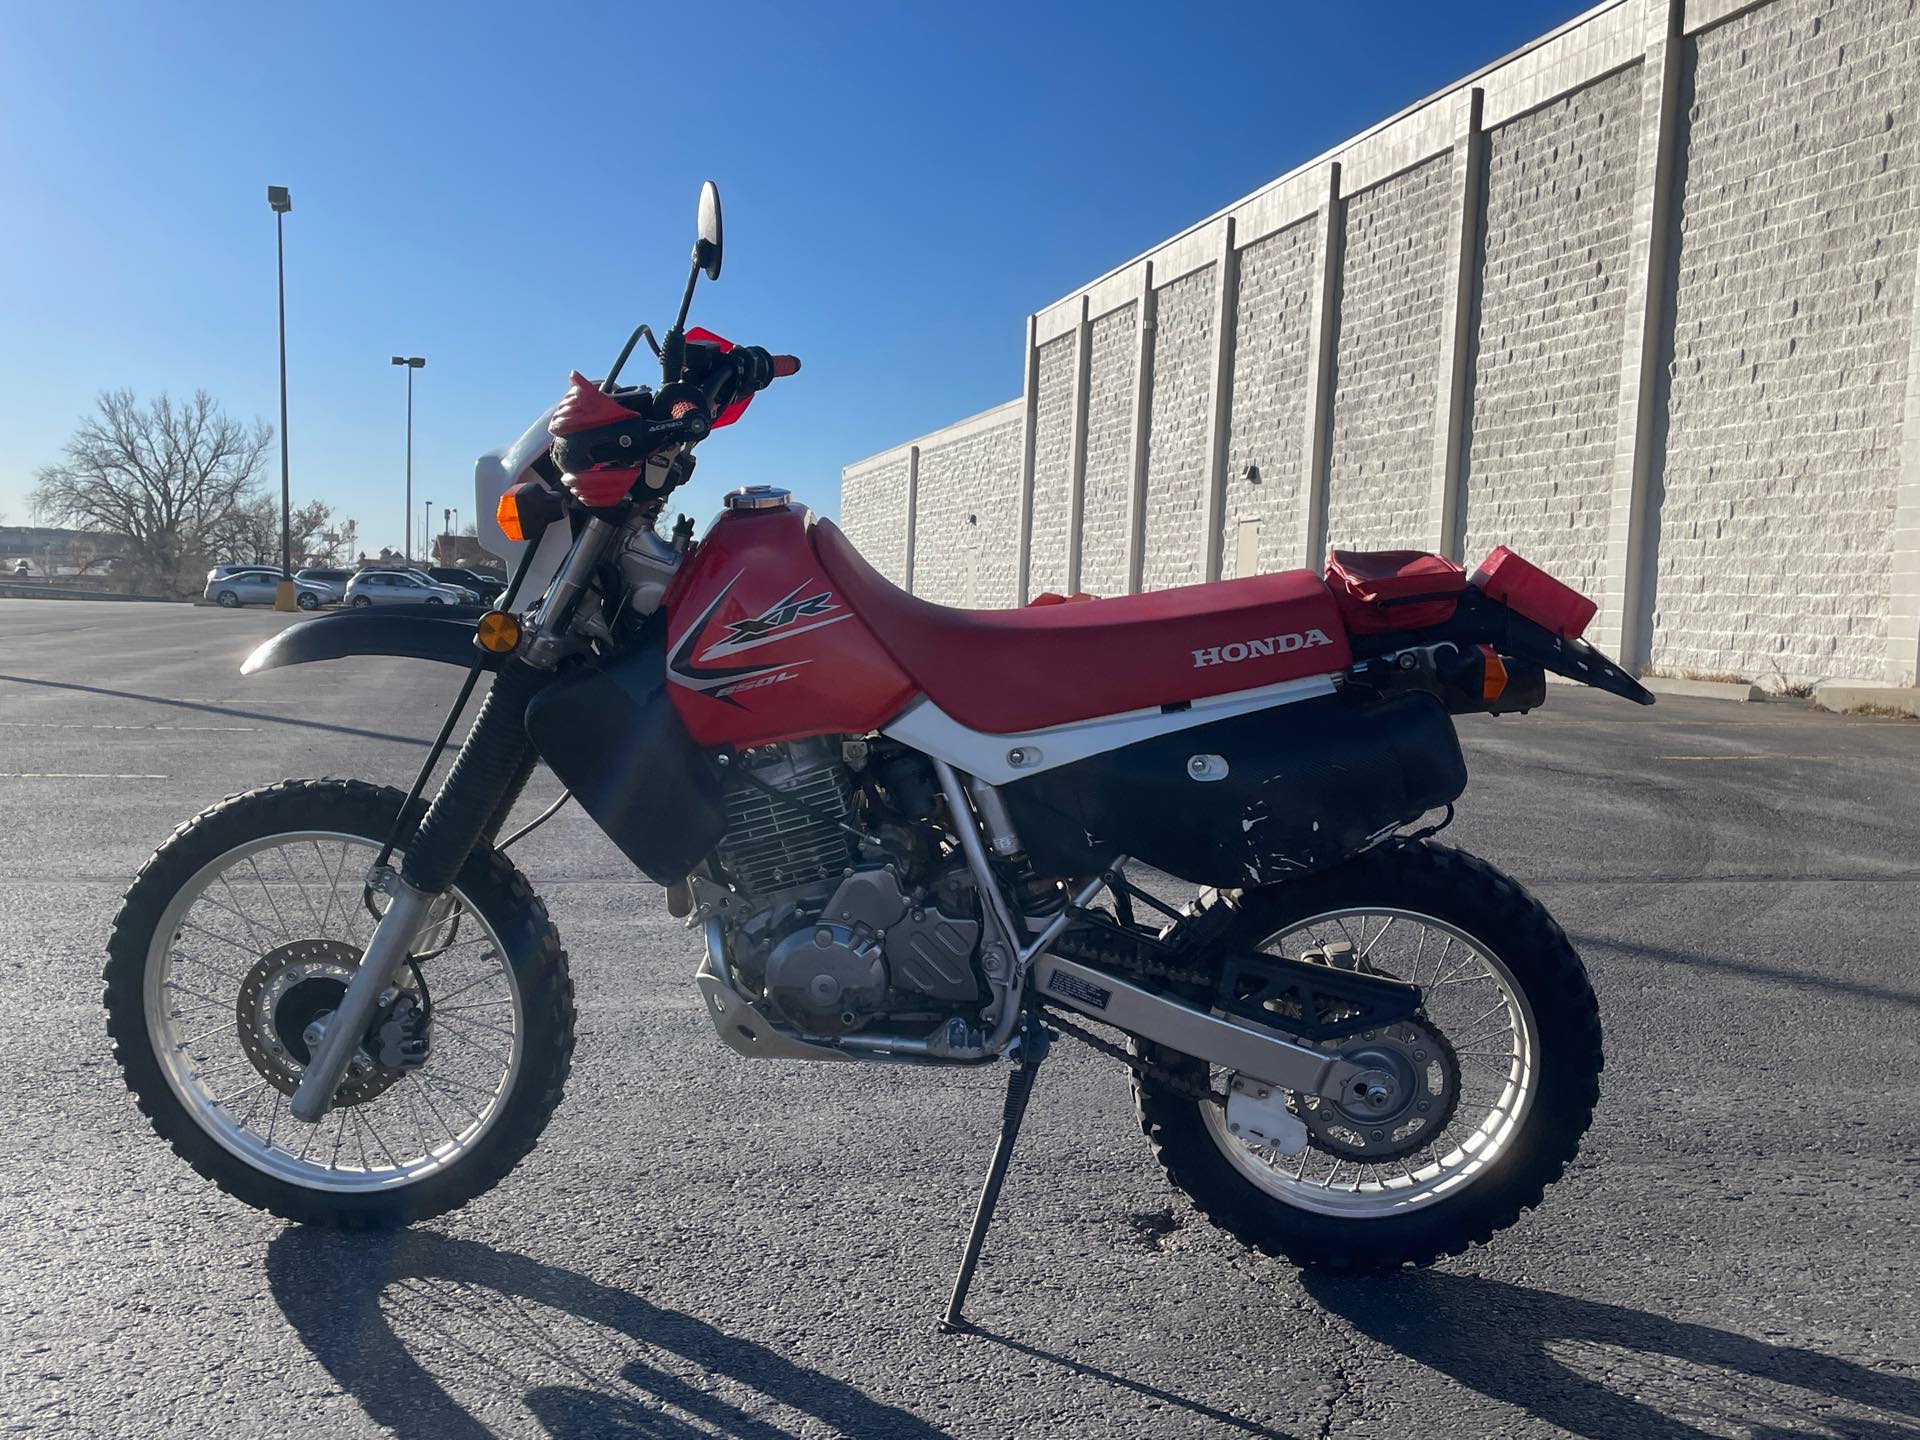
723,377
622,427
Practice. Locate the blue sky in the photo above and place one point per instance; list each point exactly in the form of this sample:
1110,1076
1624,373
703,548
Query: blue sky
508,189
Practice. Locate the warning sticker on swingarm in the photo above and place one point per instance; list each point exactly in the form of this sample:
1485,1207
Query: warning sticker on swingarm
1080,992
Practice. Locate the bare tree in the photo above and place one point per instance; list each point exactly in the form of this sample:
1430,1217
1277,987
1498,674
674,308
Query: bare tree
251,535
169,477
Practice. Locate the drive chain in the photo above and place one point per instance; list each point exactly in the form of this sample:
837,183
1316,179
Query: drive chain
1161,1075
1100,948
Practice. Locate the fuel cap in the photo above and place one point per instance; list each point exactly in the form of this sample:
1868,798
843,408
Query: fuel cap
759,497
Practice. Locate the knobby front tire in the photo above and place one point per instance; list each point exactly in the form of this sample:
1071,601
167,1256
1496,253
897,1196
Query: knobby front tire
266,858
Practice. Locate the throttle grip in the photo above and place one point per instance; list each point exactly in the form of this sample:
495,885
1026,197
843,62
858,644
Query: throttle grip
784,365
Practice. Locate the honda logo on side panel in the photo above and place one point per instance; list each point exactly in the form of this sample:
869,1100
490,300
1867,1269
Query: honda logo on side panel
1238,650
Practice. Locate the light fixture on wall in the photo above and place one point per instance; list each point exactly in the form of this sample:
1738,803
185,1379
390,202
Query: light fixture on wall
1251,474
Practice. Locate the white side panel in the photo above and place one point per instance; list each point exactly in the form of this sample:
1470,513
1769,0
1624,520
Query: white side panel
926,727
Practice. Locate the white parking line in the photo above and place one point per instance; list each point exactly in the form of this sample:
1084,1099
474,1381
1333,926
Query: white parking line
57,775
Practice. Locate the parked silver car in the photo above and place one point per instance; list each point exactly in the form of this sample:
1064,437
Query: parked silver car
403,587
334,582
257,585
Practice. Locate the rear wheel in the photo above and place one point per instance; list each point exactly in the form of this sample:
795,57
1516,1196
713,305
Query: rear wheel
228,600
435,600
308,600
1499,1072
236,941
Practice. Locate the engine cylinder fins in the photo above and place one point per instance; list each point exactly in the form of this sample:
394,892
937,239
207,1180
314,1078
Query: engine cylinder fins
776,842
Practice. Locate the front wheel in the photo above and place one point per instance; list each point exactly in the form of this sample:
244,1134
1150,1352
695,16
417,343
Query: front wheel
238,938
360,602
1472,1109
307,600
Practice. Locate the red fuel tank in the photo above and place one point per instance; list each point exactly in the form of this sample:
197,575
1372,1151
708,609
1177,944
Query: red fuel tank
762,648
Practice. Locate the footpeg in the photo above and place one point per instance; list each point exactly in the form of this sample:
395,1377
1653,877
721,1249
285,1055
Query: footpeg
1258,1114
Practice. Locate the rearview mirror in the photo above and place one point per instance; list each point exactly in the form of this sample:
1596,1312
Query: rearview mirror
707,250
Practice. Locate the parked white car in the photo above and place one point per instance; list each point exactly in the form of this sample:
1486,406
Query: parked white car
257,585
403,587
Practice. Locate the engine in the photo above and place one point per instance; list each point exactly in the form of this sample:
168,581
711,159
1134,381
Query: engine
855,915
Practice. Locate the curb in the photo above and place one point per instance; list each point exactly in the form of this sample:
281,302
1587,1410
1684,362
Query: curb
1704,689
1844,695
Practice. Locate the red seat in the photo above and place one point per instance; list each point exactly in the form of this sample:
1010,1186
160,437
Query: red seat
1004,671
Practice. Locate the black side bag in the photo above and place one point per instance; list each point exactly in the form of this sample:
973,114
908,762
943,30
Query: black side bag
1248,800
611,734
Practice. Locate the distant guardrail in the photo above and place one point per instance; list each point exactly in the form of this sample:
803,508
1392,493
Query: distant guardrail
54,590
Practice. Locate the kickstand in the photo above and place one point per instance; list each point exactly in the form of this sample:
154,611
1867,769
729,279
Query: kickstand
1034,1042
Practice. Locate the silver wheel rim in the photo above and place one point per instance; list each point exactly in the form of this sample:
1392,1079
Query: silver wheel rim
307,885
1498,1055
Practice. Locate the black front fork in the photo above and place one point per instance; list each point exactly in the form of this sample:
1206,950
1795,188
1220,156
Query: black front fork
488,774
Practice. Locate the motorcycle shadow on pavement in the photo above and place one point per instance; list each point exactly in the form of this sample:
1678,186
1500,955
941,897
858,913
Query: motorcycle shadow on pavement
1603,1370
388,1315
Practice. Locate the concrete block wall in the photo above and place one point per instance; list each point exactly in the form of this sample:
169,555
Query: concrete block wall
967,527
1638,300
1054,501
875,508
1107,488
1185,325
1266,501
1387,362
1792,315
1545,355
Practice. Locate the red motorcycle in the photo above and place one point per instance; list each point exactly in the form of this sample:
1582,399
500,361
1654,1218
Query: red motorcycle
910,836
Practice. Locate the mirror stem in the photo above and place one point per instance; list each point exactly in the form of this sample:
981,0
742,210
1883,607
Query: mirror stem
673,353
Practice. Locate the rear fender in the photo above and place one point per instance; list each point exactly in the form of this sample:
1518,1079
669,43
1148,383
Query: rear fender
1478,620
424,633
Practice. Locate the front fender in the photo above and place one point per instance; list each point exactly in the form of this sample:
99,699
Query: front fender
422,633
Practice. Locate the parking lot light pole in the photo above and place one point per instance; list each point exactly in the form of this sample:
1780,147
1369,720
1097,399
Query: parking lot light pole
413,363
283,595
426,532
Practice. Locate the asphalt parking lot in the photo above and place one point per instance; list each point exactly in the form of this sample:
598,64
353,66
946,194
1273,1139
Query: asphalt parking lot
706,1247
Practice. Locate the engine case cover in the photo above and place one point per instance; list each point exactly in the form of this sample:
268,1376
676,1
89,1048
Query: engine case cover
928,950
827,978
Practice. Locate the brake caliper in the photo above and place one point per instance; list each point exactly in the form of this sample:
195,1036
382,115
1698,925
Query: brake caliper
397,1039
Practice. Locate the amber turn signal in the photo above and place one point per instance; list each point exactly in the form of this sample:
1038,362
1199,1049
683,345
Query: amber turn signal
1493,680
507,512
498,632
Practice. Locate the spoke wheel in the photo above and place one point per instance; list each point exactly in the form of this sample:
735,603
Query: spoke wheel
1485,1064
290,905
1505,1051
228,958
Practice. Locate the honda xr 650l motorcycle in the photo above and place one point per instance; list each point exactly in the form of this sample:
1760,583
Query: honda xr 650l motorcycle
904,833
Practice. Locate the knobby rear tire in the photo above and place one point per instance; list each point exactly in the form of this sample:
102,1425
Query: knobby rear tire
492,886
1497,913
